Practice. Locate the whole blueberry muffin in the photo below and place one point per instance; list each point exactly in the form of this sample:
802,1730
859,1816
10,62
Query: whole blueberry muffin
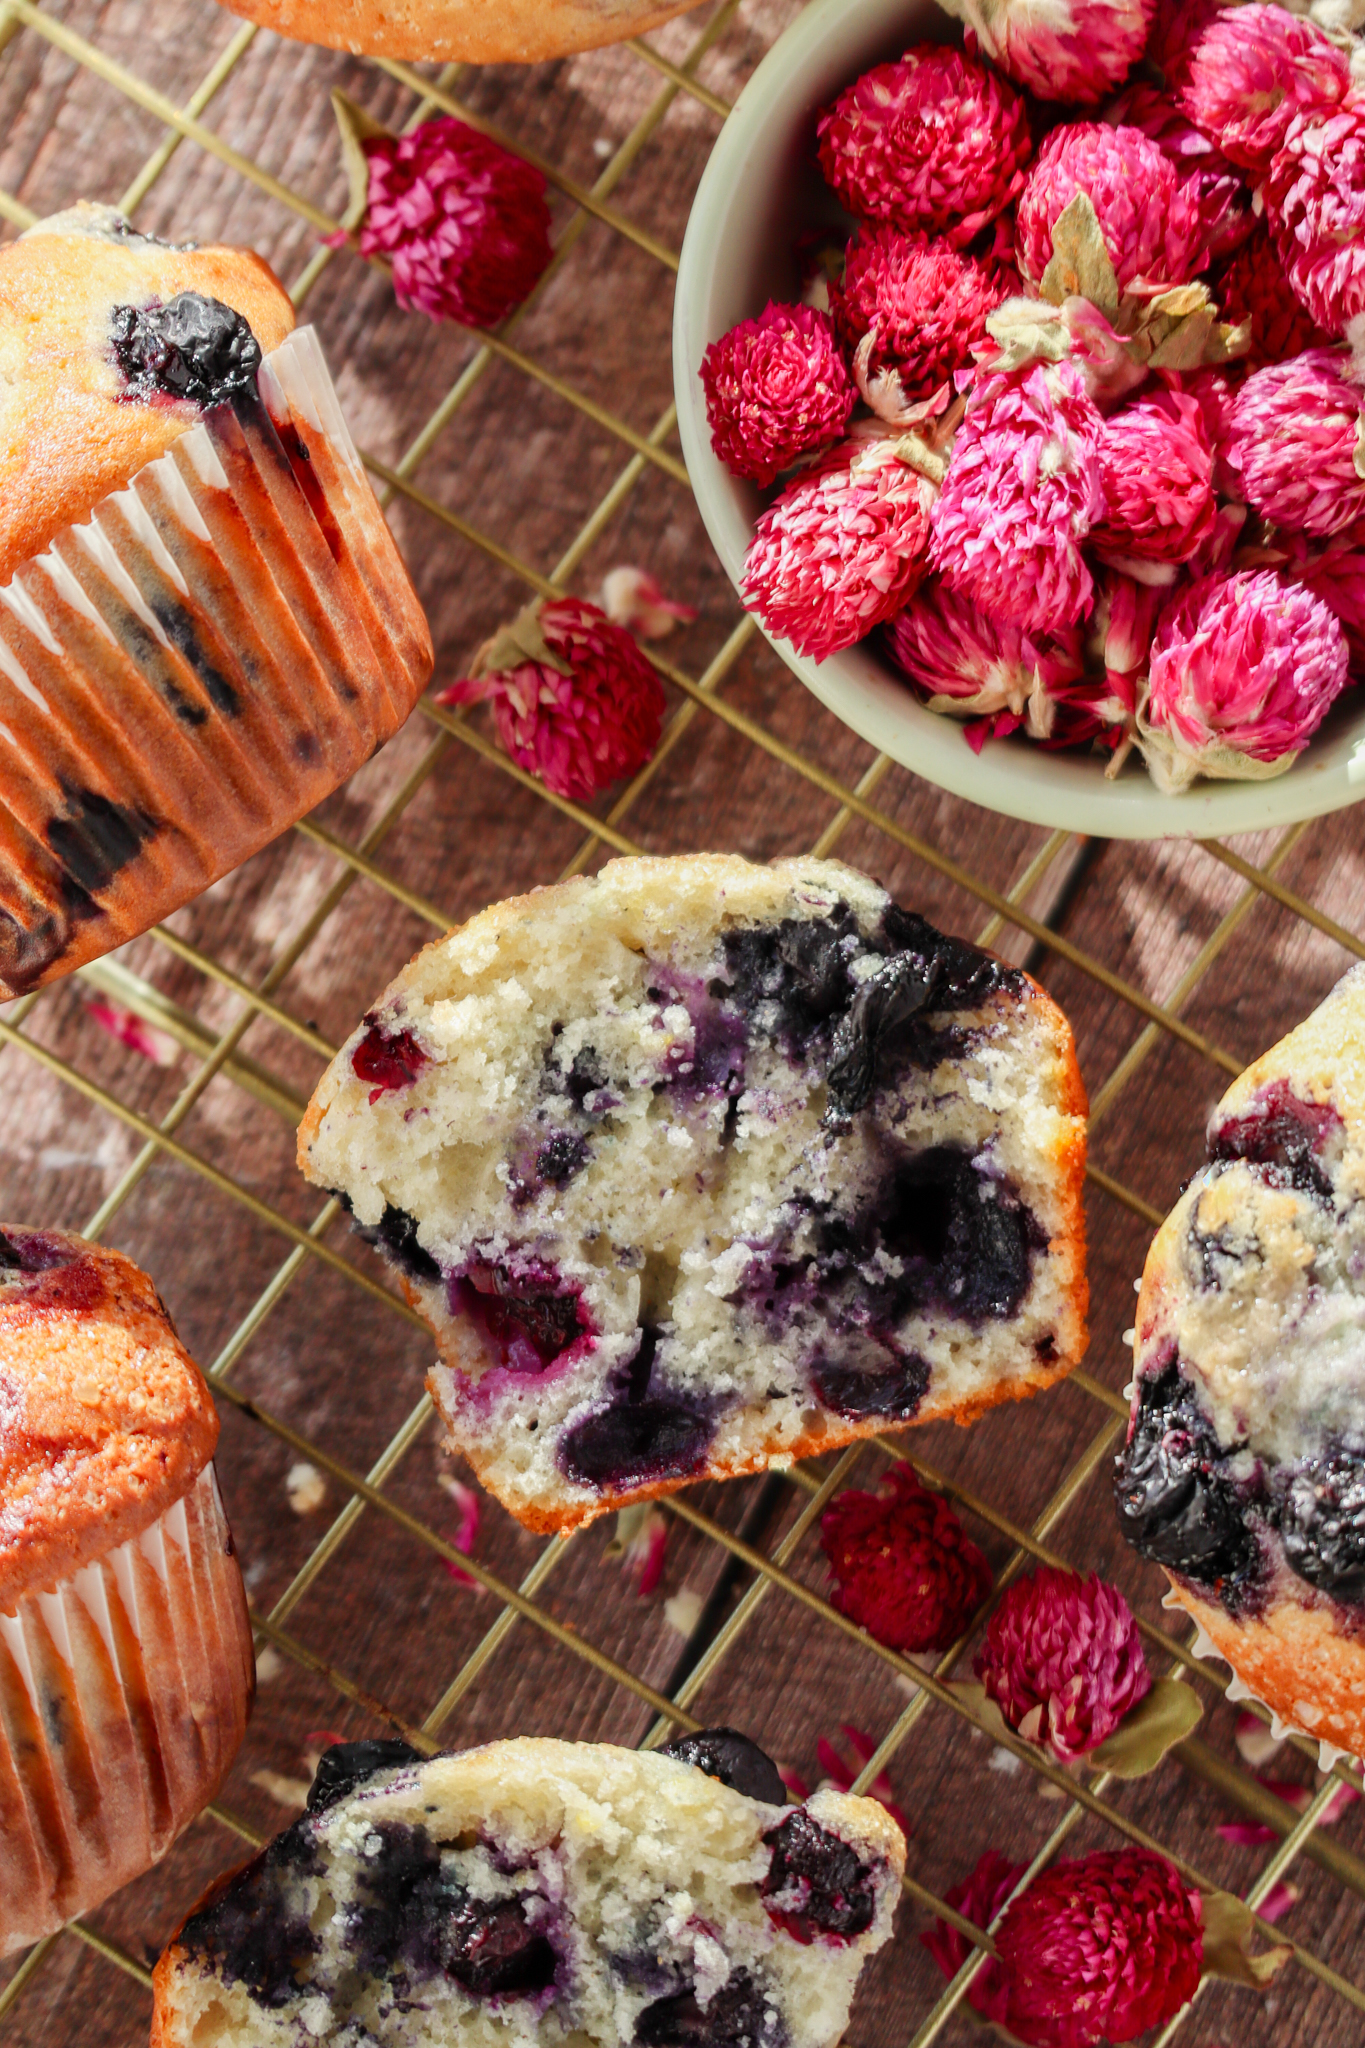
1244,1470
696,1166
539,1892
204,623
464,31
126,1665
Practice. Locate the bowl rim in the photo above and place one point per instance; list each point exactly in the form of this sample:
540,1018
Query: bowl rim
1012,776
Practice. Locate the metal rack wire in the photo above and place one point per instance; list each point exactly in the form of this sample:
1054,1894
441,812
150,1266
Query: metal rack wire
765,1554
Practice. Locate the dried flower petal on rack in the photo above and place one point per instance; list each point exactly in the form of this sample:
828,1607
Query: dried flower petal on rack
463,221
1063,1660
1149,221
923,302
841,1773
1253,287
1021,495
634,599
1296,442
904,1567
1100,1949
841,549
640,1542
776,388
936,142
1073,50
978,1898
1315,202
1244,669
1156,468
467,1529
133,1031
574,700
1250,71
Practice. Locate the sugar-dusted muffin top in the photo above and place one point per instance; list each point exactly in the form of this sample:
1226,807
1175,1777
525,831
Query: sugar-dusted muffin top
104,361
105,1421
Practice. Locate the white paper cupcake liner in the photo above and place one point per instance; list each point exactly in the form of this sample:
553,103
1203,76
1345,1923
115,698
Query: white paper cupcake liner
209,656
124,1693
1205,1647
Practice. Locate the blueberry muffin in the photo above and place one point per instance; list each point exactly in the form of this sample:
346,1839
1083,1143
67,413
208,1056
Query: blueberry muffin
534,1893
463,31
1244,1470
126,1666
696,1166
204,623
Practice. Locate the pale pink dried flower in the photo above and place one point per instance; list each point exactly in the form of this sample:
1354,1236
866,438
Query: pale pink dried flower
1101,1948
1156,466
634,599
1243,671
1021,495
776,388
1217,188
463,221
1250,70
1292,441
582,731
1314,199
1252,286
972,666
978,1898
924,303
841,549
1278,1900
1063,1660
1073,50
1149,219
934,142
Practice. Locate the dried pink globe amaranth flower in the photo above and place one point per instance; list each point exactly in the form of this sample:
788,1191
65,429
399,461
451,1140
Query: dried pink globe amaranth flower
582,731
1063,1660
1216,187
1073,50
1314,198
1156,467
925,304
1100,1949
1176,29
934,142
776,388
972,666
1243,671
978,1898
1021,495
904,1567
841,549
1252,286
1250,70
463,221
1334,570
1293,439
1148,217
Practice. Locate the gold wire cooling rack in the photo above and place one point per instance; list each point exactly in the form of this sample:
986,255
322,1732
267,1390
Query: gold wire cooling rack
552,441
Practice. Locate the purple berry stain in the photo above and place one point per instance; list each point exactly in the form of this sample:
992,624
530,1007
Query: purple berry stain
816,1885
527,1321
387,1059
1285,1135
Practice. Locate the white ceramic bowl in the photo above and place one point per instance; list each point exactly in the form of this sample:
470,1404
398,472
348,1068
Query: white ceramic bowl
760,189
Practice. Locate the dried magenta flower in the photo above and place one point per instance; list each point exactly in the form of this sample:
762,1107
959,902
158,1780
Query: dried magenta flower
1334,570
1250,70
586,713
1073,50
463,221
1149,219
1021,495
972,666
1156,468
776,388
1243,671
904,1567
924,303
1100,1949
1292,441
1315,202
841,549
1063,1660
934,143
978,1898
1216,187
1252,286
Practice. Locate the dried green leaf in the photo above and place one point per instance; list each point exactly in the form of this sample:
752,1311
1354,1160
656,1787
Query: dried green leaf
1026,331
1081,265
1229,1930
356,129
1165,1716
629,1522
522,641
916,454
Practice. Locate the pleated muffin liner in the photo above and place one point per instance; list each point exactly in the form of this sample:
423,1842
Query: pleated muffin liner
181,677
1205,1647
124,1692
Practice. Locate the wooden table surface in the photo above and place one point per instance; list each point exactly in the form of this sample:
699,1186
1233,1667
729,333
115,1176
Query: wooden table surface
332,1363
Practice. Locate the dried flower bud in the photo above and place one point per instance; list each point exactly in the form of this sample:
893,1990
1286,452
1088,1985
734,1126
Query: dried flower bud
776,388
1149,219
978,1898
924,304
1063,1660
1073,50
904,1567
1156,468
1249,71
1315,202
1295,443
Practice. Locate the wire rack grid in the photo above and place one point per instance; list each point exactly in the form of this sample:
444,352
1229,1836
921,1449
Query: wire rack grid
1177,963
